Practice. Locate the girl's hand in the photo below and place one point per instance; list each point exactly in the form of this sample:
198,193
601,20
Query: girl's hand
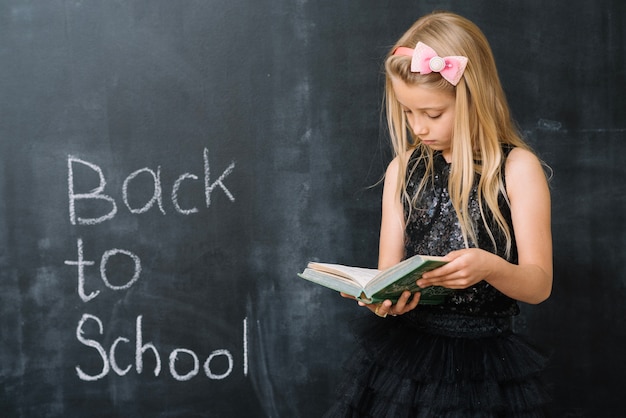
465,268
404,304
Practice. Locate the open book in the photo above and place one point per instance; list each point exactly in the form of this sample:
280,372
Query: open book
374,286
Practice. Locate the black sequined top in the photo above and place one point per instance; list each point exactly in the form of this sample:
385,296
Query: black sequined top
433,229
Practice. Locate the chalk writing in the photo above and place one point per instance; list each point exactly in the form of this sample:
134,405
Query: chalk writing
183,363
175,188
80,263
97,193
109,359
156,196
103,264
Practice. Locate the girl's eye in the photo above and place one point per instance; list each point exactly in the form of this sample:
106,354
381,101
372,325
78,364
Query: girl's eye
406,111
434,116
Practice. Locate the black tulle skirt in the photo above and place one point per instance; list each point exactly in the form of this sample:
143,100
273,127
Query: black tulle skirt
441,365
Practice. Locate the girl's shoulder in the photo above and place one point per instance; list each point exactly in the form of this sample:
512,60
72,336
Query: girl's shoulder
518,158
523,168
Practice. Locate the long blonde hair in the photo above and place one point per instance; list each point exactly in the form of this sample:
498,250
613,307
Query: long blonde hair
482,119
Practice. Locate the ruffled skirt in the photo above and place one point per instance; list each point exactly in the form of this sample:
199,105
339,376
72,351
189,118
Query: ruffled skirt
430,364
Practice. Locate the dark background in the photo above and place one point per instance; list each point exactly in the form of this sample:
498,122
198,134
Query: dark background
289,92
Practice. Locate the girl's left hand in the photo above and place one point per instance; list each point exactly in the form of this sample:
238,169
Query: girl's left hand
465,268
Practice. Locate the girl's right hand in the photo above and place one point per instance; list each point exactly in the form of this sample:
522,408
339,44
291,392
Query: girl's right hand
405,304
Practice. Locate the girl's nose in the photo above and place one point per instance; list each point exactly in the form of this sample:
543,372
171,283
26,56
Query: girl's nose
418,127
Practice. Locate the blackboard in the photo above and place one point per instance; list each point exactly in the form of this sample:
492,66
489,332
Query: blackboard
168,167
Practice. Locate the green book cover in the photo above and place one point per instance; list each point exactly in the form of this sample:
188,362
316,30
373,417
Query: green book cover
374,286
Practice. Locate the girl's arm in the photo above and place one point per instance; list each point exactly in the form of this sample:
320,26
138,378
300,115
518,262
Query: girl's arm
391,245
531,279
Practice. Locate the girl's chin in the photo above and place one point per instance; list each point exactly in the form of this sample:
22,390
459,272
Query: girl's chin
434,145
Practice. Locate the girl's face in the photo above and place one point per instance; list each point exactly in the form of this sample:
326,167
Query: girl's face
429,113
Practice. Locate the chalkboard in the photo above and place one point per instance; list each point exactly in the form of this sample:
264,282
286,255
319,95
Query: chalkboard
168,167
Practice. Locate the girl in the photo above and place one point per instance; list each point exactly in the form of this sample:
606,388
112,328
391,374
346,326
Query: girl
465,185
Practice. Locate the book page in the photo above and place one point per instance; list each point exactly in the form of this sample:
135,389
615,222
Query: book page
359,274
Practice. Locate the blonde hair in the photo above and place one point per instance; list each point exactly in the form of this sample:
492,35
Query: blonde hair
482,119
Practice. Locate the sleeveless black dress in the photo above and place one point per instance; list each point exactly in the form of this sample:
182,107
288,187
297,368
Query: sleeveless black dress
457,359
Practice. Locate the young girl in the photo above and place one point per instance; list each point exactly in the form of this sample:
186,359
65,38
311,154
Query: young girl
465,185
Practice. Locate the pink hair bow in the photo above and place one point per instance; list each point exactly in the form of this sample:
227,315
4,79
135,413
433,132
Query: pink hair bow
425,61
